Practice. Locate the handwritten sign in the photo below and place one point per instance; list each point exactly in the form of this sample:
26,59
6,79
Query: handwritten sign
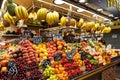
69,56
49,39
57,56
37,39
12,68
45,63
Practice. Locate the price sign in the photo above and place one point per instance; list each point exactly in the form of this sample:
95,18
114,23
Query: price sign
27,34
45,63
37,39
12,68
49,39
57,56
69,56
73,50
58,36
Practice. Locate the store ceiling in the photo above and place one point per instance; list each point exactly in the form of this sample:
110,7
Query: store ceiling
104,4
92,5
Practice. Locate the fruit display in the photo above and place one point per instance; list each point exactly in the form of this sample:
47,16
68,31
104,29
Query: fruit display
56,59
21,12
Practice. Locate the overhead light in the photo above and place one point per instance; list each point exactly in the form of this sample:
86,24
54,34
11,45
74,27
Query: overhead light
99,9
59,2
86,3
94,15
111,15
80,10
82,1
115,17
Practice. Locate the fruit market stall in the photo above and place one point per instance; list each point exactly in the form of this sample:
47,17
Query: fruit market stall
58,48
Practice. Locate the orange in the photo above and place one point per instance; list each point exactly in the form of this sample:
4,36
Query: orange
4,69
60,47
64,55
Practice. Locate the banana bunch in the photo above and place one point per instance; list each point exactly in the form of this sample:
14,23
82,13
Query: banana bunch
32,15
2,27
80,23
63,21
95,28
7,17
41,14
21,12
89,26
72,22
56,16
106,30
52,17
102,27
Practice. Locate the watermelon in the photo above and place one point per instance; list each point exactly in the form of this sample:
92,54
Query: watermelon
10,9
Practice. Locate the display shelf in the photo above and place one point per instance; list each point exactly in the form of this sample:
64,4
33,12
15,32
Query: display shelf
10,35
85,75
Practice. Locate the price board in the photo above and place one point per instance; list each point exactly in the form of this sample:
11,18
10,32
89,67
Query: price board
48,39
27,34
45,63
69,56
37,39
12,68
57,56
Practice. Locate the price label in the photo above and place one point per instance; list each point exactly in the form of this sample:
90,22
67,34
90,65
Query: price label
69,56
58,36
45,63
49,39
27,34
37,39
57,56
12,68
73,50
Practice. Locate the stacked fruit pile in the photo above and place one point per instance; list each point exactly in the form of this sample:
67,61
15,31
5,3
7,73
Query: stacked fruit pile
71,67
41,51
27,64
51,49
49,73
59,70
